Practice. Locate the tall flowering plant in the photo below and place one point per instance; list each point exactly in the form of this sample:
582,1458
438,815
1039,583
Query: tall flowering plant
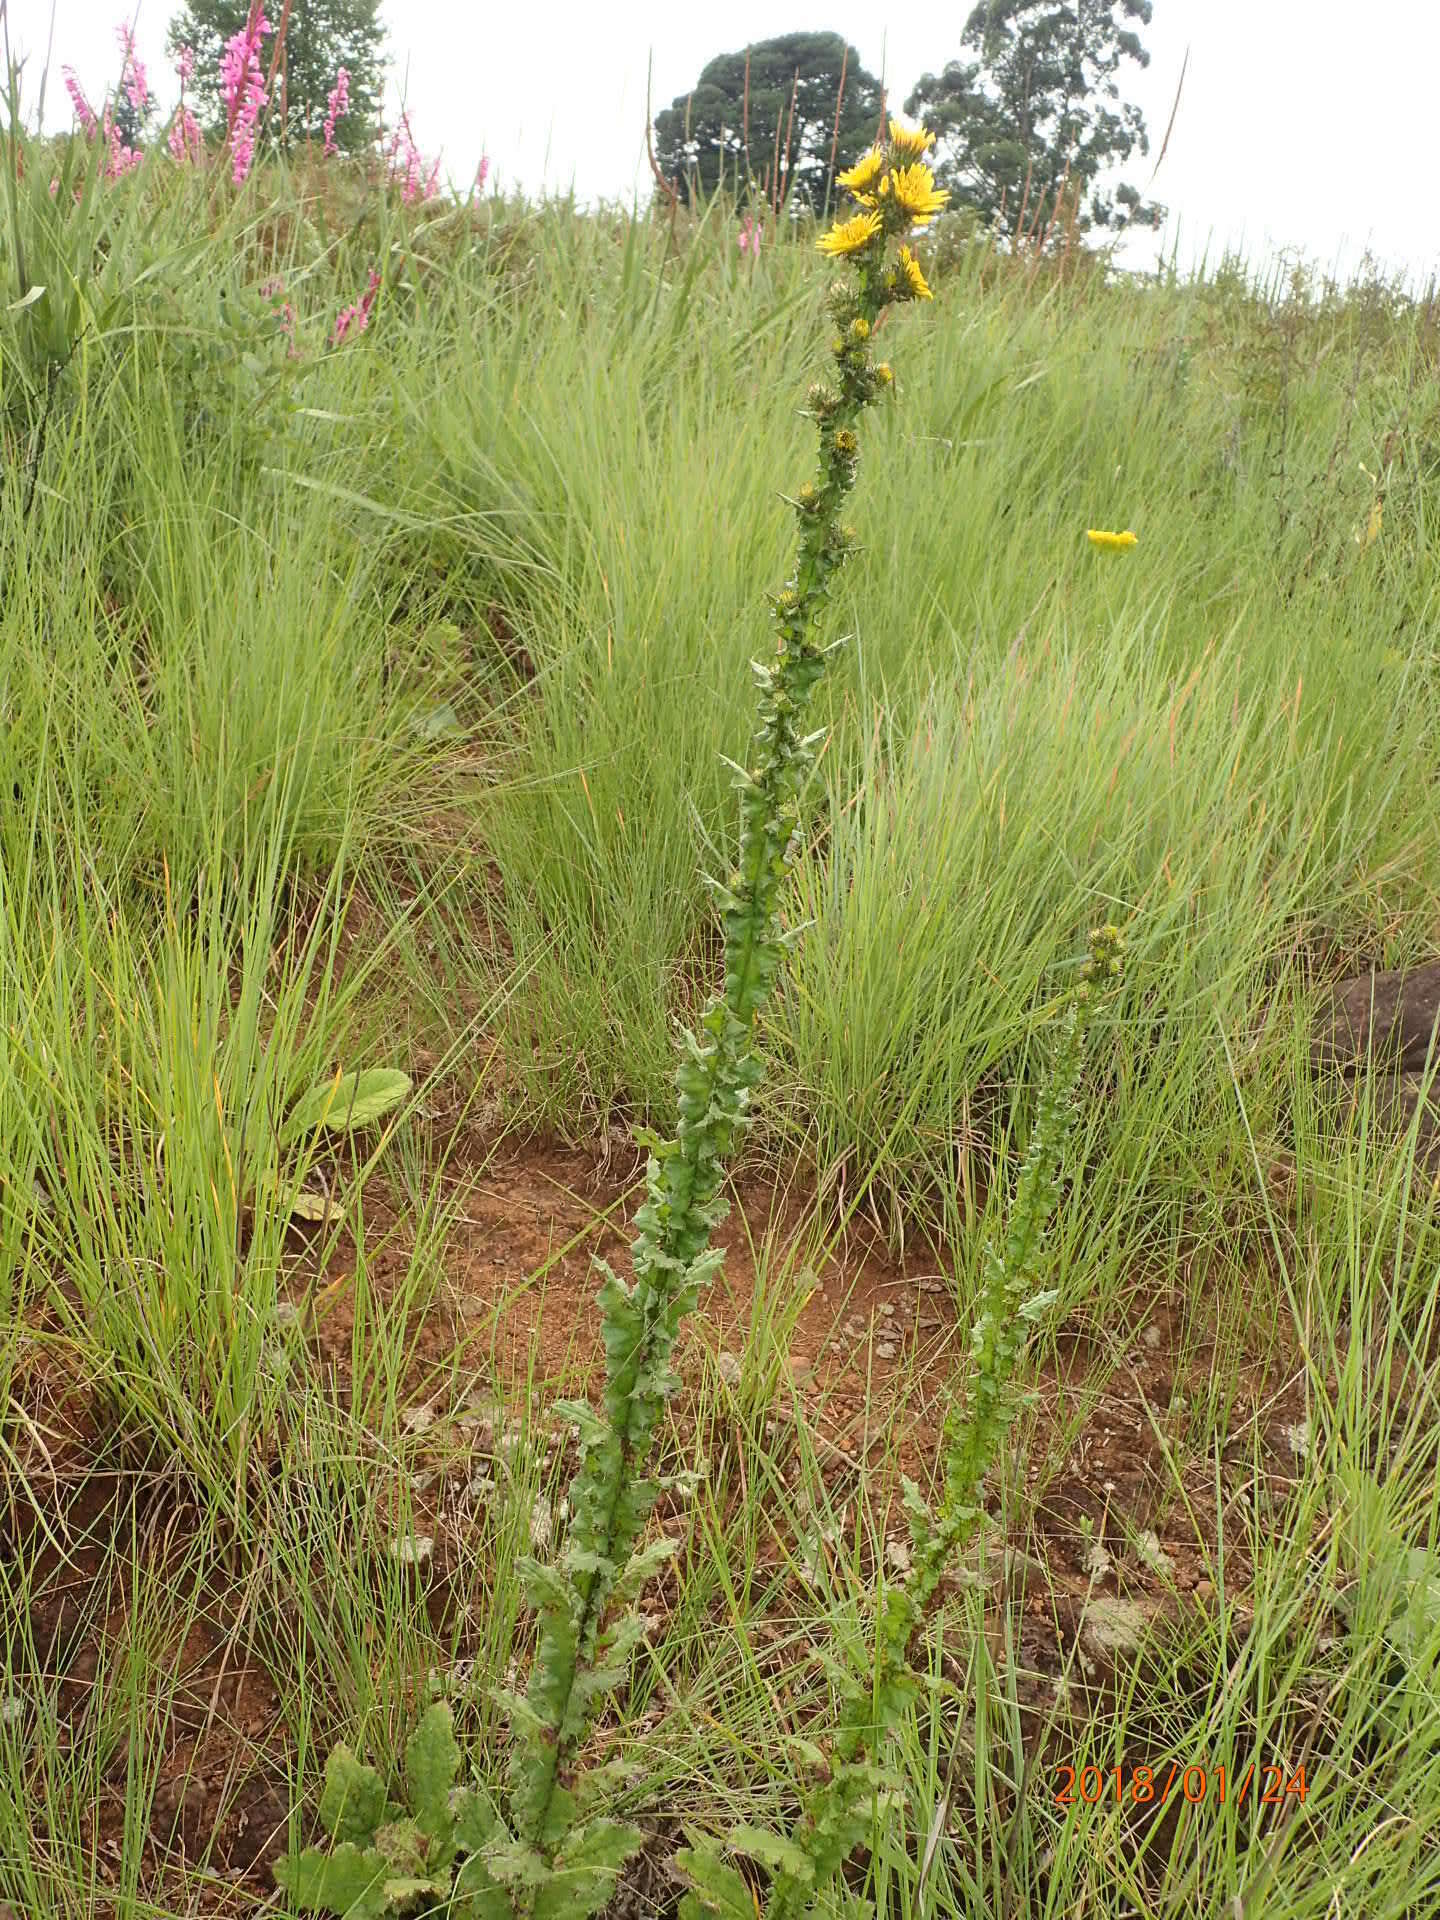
337,106
242,87
556,1848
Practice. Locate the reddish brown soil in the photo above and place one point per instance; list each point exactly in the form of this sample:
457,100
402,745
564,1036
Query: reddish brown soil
871,1357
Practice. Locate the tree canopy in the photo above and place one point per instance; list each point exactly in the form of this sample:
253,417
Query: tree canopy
702,137
321,36
1039,107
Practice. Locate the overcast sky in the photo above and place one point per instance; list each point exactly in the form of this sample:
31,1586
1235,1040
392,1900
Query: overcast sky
1301,124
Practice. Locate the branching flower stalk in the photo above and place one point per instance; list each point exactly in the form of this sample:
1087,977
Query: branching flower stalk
581,1654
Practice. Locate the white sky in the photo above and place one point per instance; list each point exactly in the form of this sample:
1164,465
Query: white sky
1298,126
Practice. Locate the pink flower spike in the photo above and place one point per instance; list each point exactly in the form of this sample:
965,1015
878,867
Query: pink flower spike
84,112
336,107
132,73
185,67
122,159
187,142
482,173
244,90
356,318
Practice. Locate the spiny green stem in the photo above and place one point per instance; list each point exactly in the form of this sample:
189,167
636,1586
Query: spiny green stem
837,1815
684,1177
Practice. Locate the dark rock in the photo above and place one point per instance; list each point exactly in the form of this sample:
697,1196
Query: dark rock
1400,1102
1392,1015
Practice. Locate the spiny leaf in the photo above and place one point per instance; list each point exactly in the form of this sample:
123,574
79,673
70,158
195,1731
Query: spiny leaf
717,1887
352,1805
346,1881
771,1850
432,1762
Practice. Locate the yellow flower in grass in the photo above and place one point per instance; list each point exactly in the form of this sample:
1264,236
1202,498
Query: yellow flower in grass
1111,542
909,280
909,143
860,178
850,236
915,193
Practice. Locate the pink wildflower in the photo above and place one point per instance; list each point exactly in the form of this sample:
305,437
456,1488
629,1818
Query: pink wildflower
84,112
244,89
273,290
122,159
406,159
132,73
187,142
750,235
185,67
356,318
482,173
336,107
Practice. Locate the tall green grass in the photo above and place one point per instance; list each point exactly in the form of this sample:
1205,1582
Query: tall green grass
366,708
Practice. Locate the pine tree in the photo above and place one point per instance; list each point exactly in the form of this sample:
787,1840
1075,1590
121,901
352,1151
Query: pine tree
783,125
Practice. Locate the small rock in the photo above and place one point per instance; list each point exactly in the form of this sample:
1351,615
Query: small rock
1115,1625
1151,1336
1204,1590
1096,1561
1148,1547
887,1311
886,1349
412,1549
897,1556
727,1365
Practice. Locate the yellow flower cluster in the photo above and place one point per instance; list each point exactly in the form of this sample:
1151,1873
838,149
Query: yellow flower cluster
897,191
1111,542
849,236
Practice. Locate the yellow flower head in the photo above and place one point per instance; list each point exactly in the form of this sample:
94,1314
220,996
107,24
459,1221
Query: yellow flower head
909,143
915,192
1111,542
862,176
850,236
909,280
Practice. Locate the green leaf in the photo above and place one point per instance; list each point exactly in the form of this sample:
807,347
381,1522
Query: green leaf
432,1762
478,1896
515,1864
400,1891
440,723
586,1869
348,1101
352,1805
346,1881
476,1821
718,1887
772,1850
